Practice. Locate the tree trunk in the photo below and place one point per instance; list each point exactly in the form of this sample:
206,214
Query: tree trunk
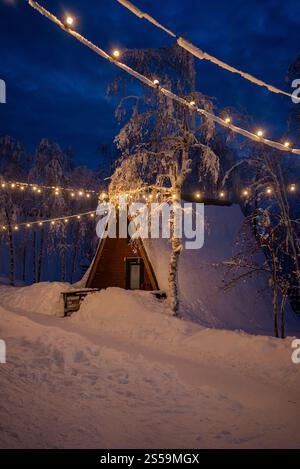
282,318
24,264
11,250
41,254
34,255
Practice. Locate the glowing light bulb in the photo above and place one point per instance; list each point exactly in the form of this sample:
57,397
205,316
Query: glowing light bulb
53,223
39,191
13,185
227,120
260,133
116,53
92,215
28,225
78,217
192,103
80,193
72,194
88,196
3,228
34,188
222,194
3,184
198,195
292,187
286,144
156,82
269,190
22,188
69,20
245,192
16,228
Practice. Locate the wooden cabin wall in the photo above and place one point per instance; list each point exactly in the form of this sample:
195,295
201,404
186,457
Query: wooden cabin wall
110,270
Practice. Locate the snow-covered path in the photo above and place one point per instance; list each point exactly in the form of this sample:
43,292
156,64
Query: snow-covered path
66,385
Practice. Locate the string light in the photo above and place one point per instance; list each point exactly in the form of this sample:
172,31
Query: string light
38,188
269,190
116,53
167,93
192,103
245,192
50,221
287,144
292,187
222,194
227,120
259,133
198,195
69,20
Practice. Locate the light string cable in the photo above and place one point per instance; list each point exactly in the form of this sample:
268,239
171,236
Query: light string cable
258,137
198,53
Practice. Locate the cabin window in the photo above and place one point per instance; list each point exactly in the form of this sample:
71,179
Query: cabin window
134,273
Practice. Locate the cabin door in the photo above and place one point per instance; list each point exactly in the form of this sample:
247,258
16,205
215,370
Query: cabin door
134,273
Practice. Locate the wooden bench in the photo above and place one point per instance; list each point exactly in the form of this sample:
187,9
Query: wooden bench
73,299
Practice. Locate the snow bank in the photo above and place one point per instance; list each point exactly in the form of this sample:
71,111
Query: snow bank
139,319
44,297
131,314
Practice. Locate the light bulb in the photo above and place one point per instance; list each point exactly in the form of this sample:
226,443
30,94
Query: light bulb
116,53
156,82
227,120
69,20
260,133
222,194
286,144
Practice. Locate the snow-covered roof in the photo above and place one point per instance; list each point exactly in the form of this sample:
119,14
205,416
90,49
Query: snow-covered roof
248,306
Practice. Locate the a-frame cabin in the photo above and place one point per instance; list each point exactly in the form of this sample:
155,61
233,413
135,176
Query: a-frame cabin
118,263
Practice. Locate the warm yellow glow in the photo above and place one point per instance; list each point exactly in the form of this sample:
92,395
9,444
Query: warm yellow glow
156,82
39,191
80,193
227,120
28,225
269,190
286,144
72,194
116,53
245,192
78,217
22,188
192,103
3,227
222,194
16,228
260,133
103,195
13,185
66,220
3,184
198,195
69,20
92,215
292,187
34,188
88,196
53,223
40,223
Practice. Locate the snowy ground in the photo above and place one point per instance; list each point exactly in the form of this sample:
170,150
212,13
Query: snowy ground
121,373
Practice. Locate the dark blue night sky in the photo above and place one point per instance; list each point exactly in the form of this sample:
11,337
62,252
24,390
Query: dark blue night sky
56,87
